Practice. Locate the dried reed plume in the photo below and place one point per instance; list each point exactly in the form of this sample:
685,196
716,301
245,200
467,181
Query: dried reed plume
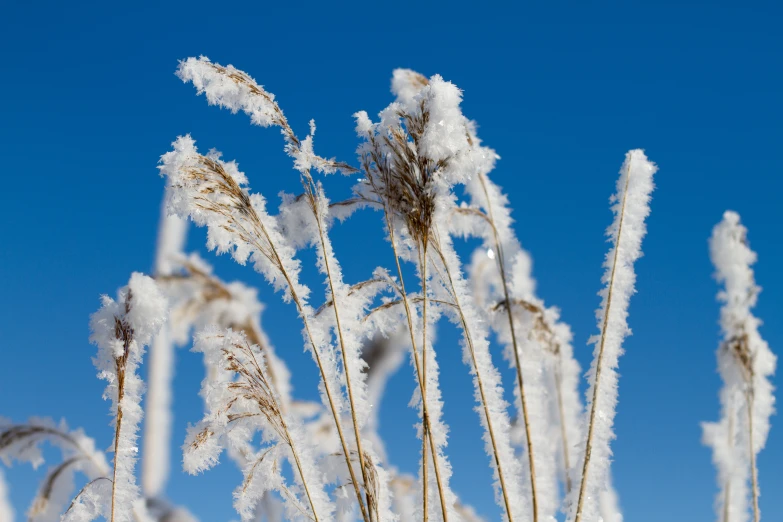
403,177
216,194
250,394
411,164
631,208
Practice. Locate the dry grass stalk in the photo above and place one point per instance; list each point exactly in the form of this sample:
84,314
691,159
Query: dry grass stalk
293,147
211,289
547,338
314,196
123,332
416,205
243,221
517,353
254,385
482,393
401,178
599,357
28,435
739,348
278,118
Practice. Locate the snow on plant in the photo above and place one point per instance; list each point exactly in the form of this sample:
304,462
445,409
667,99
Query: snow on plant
746,365
24,443
237,398
210,191
631,206
121,329
412,160
326,461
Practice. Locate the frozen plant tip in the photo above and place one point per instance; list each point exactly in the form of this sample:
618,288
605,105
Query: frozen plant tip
746,364
631,206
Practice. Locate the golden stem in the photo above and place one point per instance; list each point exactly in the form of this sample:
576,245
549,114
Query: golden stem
753,471
419,376
599,357
120,393
424,459
517,356
346,364
482,395
324,378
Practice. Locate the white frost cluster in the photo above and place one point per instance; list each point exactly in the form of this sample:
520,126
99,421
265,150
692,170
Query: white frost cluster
229,88
631,206
439,137
121,329
233,418
746,364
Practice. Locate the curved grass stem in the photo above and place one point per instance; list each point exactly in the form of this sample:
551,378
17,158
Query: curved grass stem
480,383
600,356
313,196
517,354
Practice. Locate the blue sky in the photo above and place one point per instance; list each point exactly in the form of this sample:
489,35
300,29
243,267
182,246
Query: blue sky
560,90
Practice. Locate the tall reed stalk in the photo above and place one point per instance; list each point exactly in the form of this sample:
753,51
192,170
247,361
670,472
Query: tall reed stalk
591,420
202,180
515,347
421,378
466,330
314,197
746,364
631,208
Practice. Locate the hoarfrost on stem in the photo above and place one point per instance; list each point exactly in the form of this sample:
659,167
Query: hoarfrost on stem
746,365
240,401
121,329
631,206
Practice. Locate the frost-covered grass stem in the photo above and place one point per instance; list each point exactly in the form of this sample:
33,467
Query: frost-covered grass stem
754,483
631,206
517,354
313,195
424,460
479,381
599,357
421,378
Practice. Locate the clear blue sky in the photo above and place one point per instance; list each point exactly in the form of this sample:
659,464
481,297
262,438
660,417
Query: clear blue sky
560,90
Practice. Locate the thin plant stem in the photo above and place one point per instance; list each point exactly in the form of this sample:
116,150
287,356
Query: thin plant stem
727,496
327,389
600,356
424,460
246,209
517,357
116,444
563,435
290,442
482,394
123,333
753,471
419,377
313,195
